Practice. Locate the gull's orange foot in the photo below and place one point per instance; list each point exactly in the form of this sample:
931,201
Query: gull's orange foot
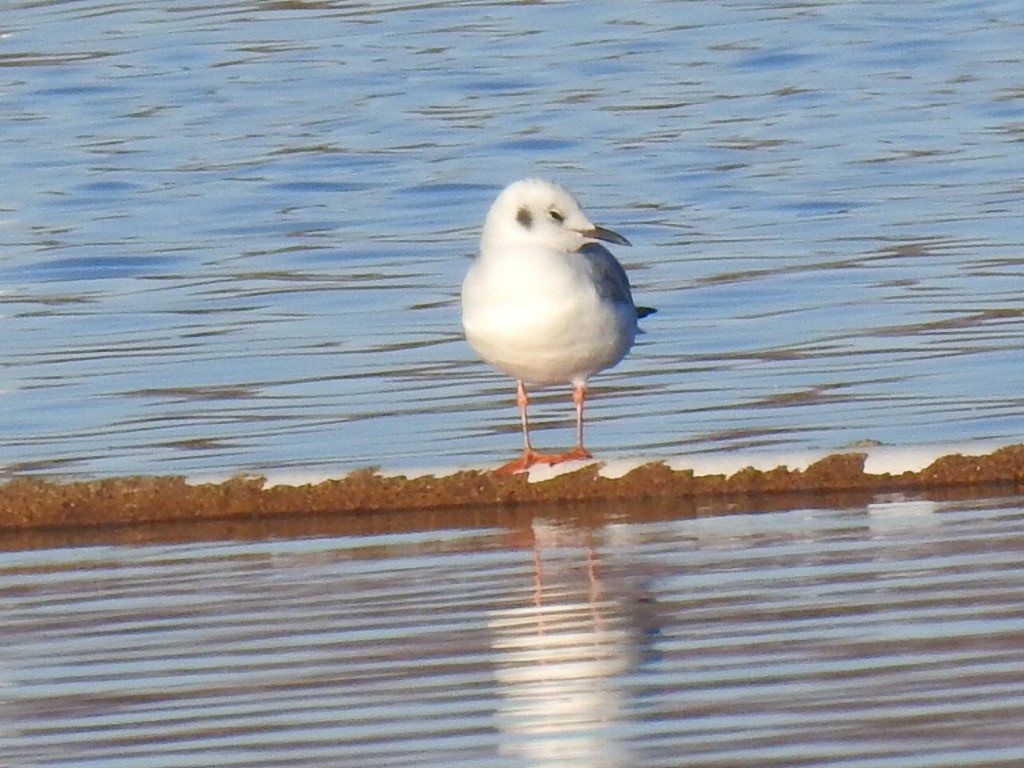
528,458
579,452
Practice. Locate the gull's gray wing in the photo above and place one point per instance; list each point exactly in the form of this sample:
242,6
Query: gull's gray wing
607,274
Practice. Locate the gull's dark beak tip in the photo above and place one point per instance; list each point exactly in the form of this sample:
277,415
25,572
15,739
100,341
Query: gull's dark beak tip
600,233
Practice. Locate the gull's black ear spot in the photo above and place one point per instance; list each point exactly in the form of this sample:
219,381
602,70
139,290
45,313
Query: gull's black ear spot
524,217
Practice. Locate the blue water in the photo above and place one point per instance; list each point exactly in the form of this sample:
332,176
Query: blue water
232,233
886,635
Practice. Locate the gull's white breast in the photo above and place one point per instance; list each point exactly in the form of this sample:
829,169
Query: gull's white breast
538,315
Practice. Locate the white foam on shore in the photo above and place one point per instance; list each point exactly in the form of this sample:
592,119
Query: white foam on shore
881,459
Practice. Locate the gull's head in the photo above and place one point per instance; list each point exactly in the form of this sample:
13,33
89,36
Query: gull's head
538,212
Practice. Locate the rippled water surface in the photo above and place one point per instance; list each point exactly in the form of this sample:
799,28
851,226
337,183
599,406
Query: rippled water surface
232,233
882,635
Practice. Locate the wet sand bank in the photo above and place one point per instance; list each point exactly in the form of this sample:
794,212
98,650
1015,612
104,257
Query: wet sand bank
32,504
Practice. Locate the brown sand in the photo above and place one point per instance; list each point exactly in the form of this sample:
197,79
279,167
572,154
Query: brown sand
30,504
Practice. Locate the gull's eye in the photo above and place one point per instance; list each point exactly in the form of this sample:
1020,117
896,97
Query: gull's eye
556,216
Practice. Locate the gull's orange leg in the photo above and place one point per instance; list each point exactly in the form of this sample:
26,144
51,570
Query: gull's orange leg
528,457
579,394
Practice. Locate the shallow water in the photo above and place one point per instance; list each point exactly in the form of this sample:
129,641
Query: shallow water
231,239
232,233
885,635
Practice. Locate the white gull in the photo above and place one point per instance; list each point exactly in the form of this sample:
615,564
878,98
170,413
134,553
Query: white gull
545,302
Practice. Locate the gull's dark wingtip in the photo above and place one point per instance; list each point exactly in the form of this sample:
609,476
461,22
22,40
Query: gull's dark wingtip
642,312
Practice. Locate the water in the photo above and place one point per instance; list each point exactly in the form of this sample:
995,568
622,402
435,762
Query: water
231,239
232,233
887,634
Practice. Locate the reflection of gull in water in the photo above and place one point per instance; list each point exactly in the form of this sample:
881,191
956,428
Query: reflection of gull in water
563,660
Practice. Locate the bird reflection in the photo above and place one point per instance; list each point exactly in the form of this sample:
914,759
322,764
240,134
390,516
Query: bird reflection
565,656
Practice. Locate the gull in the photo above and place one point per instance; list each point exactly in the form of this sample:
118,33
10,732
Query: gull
545,302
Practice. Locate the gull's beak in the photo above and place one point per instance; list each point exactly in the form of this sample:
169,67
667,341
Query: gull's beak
600,233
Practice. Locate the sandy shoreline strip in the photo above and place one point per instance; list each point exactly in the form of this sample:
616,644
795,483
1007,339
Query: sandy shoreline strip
28,503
